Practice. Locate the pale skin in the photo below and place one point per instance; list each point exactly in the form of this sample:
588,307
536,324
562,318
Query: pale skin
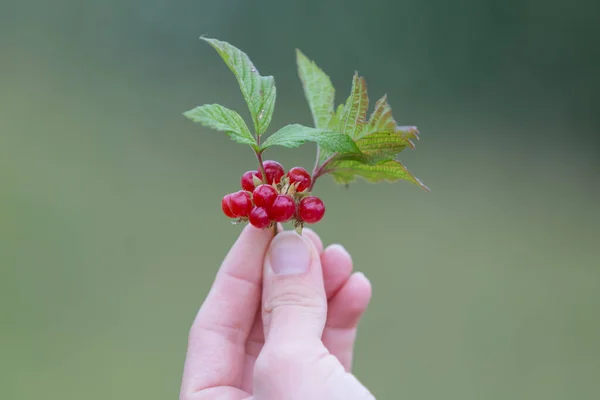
279,323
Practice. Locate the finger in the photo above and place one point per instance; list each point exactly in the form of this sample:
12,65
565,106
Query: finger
337,267
218,335
254,344
336,271
336,263
314,238
345,310
294,305
257,338
219,393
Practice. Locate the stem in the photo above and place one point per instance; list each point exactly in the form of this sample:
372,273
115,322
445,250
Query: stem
320,170
317,160
261,167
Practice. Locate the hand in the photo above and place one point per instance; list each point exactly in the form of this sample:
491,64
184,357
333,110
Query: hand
278,323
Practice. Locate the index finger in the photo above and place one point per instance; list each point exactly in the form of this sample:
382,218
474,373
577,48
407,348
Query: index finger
218,335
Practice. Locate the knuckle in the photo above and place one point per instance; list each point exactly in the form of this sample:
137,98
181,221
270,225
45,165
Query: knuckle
295,296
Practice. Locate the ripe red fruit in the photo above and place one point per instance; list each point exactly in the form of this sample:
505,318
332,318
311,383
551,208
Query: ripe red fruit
274,171
311,209
301,176
225,205
264,196
240,203
283,209
259,218
247,182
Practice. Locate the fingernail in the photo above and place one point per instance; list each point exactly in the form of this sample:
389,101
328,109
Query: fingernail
289,254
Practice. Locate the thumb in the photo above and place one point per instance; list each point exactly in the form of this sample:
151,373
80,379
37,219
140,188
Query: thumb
294,301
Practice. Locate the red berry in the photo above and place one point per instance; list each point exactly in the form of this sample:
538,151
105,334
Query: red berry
264,196
247,181
283,209
225,205
301,176
274,171
311,209
259,217
240,203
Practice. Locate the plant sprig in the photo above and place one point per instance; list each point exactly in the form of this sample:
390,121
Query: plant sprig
350,145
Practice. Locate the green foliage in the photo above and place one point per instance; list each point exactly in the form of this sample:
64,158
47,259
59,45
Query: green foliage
334,123
318,90
379,138
350,144
382,120
296,135
223,119
354,114
386,144
258,91
347,171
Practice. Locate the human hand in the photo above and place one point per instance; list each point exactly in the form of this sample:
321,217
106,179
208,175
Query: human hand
306,301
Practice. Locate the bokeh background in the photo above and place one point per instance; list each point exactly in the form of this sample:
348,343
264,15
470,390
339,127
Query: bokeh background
110,225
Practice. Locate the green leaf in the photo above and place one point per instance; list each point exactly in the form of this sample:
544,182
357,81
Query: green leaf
258,91
381,120
296,135
353,119
223,119
345,172
318,90
336,119
386,145
382,138
333,126
382,145
350,118
408,133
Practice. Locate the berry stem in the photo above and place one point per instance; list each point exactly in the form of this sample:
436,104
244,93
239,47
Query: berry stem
316,163
319,170
261,167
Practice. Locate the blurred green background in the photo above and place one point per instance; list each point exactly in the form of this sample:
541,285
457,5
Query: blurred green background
110,227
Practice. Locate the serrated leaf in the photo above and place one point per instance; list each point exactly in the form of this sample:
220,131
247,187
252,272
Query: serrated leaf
408,133
382,145
383,139
336,119
361,157
258,91
379,140
354,115
295,135
318,89
345,172
333,126
223,119
350,118
381,120
386,145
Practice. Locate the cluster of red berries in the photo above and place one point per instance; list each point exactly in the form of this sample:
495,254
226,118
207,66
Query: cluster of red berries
281,198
